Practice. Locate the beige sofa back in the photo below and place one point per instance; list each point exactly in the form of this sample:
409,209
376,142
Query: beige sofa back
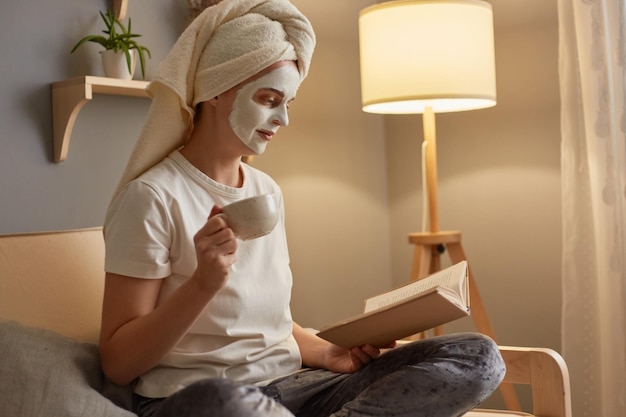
54,280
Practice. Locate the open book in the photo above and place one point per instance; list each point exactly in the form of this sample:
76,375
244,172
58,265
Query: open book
415,307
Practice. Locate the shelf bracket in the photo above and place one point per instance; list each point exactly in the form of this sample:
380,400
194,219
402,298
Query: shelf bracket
67,100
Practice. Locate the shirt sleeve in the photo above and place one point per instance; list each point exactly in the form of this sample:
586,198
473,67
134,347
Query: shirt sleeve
137,233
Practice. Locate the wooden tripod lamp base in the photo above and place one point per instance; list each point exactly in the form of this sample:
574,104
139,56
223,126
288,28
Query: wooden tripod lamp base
427,259
429,246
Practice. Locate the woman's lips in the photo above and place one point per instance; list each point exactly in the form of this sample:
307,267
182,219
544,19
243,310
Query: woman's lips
266,134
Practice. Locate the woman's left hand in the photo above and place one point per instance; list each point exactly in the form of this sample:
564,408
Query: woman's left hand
343,360
319,353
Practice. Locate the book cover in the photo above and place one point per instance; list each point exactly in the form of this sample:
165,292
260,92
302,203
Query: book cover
415,307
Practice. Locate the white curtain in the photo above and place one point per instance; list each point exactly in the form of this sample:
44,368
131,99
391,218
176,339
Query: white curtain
592,60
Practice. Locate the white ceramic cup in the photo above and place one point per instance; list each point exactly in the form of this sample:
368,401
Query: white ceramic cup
252,217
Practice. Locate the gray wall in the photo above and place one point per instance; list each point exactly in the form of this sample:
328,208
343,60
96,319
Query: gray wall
36,37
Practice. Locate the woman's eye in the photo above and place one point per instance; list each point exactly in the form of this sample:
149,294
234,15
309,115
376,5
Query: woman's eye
269,100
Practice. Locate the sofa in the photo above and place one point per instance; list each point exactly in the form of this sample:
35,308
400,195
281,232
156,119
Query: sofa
51,287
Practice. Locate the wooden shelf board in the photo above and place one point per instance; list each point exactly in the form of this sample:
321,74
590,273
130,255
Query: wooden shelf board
69,96
104,85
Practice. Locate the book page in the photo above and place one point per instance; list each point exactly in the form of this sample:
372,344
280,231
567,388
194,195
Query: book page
447,278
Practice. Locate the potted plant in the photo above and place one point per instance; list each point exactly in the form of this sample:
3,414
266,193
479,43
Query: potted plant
119,40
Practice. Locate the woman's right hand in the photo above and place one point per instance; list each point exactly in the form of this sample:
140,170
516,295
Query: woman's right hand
215,245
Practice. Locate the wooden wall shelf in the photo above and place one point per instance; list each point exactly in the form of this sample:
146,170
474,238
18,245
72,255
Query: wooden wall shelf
69,96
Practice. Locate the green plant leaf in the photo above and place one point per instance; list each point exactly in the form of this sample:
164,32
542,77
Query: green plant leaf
119,37
92,38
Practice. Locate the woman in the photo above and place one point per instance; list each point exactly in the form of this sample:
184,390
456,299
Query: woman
201,321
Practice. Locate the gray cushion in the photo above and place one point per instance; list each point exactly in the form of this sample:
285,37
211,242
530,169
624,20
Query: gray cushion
45,374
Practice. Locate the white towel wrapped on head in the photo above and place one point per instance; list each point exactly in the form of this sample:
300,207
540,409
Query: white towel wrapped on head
225,45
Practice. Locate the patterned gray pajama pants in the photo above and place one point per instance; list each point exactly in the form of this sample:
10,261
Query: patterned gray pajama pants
442,376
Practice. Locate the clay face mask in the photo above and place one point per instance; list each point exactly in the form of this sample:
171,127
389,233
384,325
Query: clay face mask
260,107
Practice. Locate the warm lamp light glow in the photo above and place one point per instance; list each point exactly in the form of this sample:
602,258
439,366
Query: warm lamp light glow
427,56
427,53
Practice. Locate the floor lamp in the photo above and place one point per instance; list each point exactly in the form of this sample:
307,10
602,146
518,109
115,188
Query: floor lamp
427,57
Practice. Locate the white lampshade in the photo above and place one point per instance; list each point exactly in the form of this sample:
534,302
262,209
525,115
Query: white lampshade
427,53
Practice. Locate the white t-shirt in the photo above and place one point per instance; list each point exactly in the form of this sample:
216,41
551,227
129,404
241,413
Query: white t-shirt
245,332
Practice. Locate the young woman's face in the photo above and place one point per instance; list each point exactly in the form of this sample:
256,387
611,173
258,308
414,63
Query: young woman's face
261,106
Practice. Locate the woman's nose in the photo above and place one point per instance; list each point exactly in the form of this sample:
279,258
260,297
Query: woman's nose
281,117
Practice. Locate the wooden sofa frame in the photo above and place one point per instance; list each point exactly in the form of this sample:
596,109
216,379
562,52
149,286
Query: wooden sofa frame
546,373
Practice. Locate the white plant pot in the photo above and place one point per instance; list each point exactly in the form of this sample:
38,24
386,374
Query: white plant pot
115,66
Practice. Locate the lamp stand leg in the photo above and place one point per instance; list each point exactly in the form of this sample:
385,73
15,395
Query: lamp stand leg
426,260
